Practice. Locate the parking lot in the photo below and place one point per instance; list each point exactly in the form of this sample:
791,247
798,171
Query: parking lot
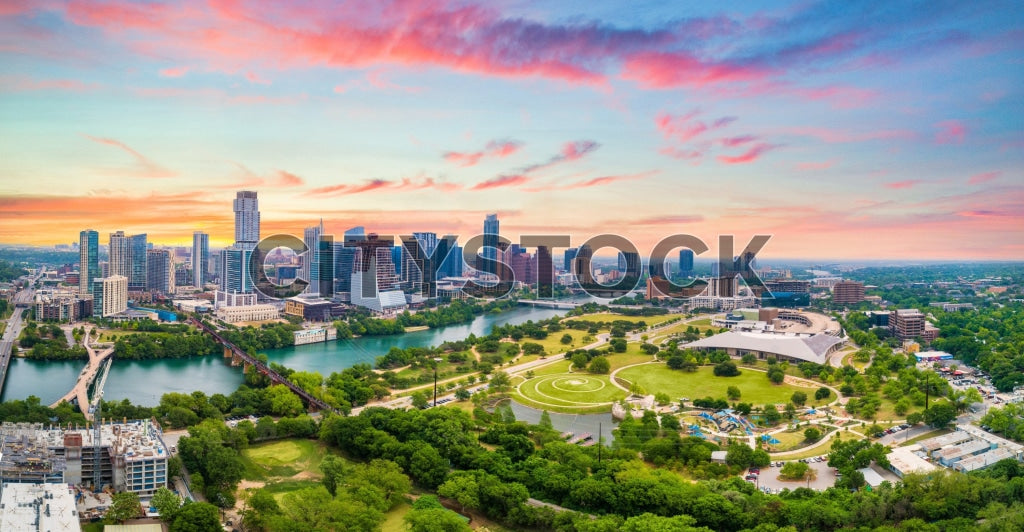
825,478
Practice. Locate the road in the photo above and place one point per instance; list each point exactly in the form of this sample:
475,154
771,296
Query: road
15,323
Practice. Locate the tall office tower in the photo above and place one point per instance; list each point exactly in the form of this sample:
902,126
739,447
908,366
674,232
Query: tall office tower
119,255
451,265
417,266
428,241
137,271
686,262
247,218
545,275
215,265
570,255
158,271
236,270
521,264
200,256
490,250
397,259
374,282
582,267
310,271
344,261
236,278
89,260
629,262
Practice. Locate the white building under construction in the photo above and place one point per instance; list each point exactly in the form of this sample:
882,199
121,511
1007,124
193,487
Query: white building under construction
131,455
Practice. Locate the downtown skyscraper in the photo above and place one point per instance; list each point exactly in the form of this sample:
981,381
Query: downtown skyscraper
490,251
89,260
236,278
200,257
118,250
311,261
137,271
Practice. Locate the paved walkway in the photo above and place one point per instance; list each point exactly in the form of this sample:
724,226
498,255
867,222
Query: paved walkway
80,392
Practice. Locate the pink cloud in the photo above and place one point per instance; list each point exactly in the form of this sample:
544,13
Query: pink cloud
145,167
899,185
573,151
666,70
682,128
732,142
174,72
749,156
371,185
983,178
950,132
679,153
501,181
592,182
495,148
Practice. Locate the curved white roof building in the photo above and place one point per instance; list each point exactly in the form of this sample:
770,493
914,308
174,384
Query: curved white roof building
788,346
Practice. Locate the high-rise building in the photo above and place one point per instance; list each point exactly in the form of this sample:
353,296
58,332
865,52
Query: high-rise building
568,258
847,292
397,259
310,271
451,265
686,262
110,295
582,267
909,324
629,262
119,252
137,270
490,251
89,260
200,257
374,281
247,218
158,274
236,278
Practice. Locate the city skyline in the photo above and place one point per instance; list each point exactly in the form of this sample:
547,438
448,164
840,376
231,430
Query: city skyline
846,131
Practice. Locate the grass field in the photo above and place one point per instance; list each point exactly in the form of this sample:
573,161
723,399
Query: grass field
553,343
393,519
569,392
753,385
609,317
283,459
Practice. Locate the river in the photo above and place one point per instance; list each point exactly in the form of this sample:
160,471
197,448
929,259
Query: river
144,381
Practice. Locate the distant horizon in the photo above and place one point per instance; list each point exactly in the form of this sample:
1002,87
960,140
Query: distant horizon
844,129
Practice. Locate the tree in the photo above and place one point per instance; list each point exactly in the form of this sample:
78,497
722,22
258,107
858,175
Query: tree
794,471
915,417
822,393
335,470
282,401
748,359
124,506
196,517
566,339
940,414
579,361
599,365
740,455
545,421
435,520
812,434
166,504
776,375
799,398
500,382
385,478
733,392
419,400
726,369
462,487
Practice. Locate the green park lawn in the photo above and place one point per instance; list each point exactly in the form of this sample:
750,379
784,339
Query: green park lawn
569,392
609,317
283,459
754,385
553,343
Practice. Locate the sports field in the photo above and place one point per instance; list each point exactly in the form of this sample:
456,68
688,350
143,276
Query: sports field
754,385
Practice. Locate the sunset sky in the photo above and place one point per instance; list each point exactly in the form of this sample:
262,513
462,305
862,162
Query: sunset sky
848,130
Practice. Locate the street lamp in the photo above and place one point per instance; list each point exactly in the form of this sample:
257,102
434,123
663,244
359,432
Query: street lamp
436,360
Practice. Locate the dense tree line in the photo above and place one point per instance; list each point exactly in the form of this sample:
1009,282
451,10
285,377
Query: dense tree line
363,324
42,341
10,271
262,338
146,346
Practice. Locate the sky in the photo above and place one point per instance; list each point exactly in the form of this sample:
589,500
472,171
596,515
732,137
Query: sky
846,130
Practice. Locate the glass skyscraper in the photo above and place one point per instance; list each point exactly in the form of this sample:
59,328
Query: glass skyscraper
137,249
236,278
247,218
490,251
89,260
